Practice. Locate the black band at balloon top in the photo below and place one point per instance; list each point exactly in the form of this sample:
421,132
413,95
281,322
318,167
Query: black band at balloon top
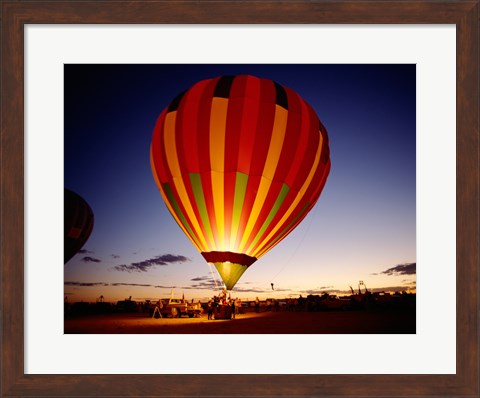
221,257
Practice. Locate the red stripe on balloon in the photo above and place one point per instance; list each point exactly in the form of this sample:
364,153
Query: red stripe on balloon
184,151
308,157
325,155
234,123
292,137
300,150
203,132
249,121
319,182
190,117
263,133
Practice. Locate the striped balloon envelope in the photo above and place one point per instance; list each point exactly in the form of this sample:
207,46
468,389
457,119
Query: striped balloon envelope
239,161
78,222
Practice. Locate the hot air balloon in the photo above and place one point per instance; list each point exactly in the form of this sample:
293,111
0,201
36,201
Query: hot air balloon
77,225
239,162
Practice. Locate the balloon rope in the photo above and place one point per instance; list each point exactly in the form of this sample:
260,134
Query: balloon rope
213,276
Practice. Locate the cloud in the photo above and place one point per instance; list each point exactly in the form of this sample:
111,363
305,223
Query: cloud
115,256
145,265
130,284
84,251
165,287
402,269
68,283
89,284
207,282
208,278
212,286
88,259
209,285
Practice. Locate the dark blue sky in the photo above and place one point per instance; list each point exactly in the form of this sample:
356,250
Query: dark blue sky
362,225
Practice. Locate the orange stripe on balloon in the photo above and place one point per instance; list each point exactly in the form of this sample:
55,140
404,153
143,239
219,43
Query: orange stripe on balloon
218,122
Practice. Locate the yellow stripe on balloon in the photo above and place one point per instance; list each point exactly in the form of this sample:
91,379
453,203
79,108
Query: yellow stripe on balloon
173,164
218,123
259,250
218,203
274,150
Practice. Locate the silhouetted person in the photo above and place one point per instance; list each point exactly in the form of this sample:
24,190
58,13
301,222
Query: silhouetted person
257,305
158,310
233,306
276,305
210,309
238,305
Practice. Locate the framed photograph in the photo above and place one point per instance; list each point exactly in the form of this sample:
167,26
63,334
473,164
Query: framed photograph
76,77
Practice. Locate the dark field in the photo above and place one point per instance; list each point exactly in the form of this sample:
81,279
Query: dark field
284,322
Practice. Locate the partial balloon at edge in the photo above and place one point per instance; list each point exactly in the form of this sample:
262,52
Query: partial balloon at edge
239,162
78,223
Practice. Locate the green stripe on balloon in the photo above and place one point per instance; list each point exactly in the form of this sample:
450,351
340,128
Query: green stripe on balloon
240,189
197,187
171,198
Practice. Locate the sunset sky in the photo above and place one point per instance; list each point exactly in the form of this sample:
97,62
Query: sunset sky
363,227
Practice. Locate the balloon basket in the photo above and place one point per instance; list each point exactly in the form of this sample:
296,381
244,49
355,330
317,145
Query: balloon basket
223,312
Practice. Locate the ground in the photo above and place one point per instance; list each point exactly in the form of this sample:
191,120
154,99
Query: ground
284,322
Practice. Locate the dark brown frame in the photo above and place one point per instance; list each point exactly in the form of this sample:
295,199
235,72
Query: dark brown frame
15,14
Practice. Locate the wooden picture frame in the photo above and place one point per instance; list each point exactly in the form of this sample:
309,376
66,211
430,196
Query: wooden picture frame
15,15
